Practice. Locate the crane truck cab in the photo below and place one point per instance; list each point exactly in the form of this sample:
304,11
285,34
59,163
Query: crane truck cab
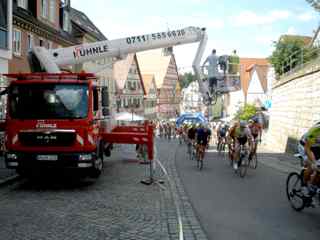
55,121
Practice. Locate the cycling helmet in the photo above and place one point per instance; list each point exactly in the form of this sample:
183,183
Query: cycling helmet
243,124
255,119
250,121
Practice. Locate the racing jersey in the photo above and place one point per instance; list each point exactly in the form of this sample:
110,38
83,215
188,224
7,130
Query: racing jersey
192,133
202,136
255,129
313,137
240,133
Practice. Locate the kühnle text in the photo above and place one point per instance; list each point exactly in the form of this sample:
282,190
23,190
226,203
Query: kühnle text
83,52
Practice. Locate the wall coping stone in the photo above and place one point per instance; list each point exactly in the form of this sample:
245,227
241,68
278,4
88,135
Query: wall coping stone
308,69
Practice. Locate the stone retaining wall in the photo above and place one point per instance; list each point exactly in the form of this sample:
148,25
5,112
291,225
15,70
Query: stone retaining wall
295,107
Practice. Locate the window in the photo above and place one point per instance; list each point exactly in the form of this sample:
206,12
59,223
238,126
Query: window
23,4
4,24
50,45
16,44
30,41
52,10
65,3
44,8
41,42
65,21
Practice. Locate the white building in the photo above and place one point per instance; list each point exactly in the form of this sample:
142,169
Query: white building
5,34
255,86
191,99
150,100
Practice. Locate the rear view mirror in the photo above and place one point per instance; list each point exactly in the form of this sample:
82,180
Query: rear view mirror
95,100
105,112
105,97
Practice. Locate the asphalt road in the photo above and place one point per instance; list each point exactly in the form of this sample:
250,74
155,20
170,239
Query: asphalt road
230,207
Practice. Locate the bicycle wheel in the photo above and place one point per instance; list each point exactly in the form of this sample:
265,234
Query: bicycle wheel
201,164
219,148
254,161
230,157
294,192
244,162
189,151
200,161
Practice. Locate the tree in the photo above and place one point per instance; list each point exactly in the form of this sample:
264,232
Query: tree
246,112
186,79
315,4
289,52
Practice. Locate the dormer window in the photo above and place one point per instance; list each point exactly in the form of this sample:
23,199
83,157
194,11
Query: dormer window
66,21
52,10
44,8
23,4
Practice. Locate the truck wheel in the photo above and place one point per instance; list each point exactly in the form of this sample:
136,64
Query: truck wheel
97,166
22,172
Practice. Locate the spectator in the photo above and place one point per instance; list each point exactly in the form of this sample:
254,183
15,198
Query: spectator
234,62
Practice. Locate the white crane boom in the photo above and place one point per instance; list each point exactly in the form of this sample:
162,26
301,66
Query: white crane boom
53,58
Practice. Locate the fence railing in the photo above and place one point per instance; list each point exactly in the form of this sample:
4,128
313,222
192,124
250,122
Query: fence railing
298,59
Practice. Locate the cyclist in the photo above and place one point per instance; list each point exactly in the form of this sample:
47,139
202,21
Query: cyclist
203,137
311,141
256,132
240,134
191,137
221,134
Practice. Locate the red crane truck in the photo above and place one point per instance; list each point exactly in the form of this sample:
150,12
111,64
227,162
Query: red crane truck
57,119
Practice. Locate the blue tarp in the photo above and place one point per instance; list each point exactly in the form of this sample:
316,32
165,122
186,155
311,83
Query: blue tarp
191,117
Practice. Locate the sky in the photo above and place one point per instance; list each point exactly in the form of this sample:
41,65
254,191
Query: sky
249,26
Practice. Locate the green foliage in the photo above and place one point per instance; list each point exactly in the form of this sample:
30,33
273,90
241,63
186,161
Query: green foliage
289,52
186,79
246,112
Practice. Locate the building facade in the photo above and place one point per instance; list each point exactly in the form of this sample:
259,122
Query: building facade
5,34
130,90
254,86
38,23
150,100
191,99
161,63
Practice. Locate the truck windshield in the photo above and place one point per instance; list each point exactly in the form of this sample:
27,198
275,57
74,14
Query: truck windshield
48,101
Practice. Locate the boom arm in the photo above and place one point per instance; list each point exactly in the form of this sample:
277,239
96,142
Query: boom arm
53,58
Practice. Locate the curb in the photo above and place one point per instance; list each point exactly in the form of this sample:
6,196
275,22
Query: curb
9,180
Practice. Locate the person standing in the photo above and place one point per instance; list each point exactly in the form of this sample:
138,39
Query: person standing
213,62
234,62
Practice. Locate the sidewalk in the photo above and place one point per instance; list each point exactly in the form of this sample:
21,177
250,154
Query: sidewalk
283,162
5,174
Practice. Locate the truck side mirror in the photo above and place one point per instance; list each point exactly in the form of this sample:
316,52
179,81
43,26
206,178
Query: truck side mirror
105,97
95,100
105,112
